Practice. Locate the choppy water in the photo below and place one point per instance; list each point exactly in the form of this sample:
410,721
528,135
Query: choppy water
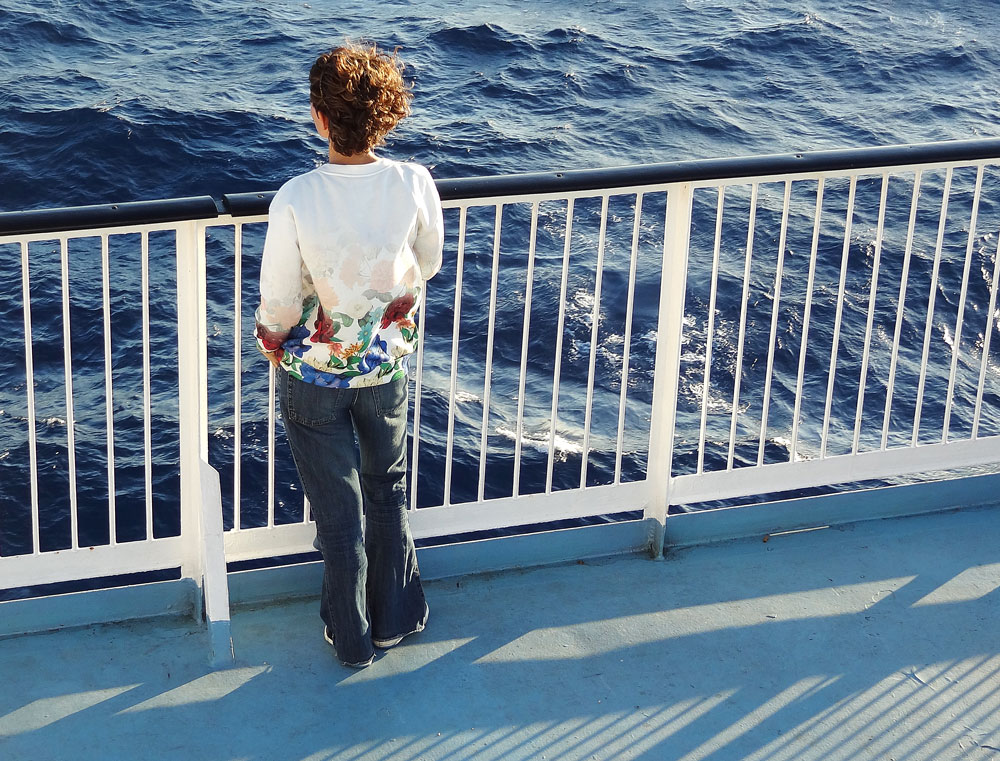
115,101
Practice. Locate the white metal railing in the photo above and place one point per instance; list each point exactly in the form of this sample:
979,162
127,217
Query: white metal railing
526,502
941,447
70,558
794,262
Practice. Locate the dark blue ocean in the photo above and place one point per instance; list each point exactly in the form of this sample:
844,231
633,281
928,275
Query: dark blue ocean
121,101
113,101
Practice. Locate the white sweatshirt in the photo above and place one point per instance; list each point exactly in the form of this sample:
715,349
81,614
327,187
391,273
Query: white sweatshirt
347,250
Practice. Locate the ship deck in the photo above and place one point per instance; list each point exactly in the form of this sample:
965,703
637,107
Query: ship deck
875,640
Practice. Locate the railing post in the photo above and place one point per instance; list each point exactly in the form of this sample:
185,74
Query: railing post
666,374
201,505
189,380
215,591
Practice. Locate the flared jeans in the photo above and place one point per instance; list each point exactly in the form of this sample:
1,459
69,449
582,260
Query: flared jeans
349,446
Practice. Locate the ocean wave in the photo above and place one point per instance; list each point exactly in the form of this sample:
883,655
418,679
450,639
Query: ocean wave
44,28
479,40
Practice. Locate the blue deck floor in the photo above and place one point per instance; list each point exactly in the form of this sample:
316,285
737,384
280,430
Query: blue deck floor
879,640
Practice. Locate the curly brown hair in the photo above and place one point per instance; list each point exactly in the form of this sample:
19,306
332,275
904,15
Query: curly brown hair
361,92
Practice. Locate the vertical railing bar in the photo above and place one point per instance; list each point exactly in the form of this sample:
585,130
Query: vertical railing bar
626,343
29,376
270,443
710,334
738,372
779,271
957,338
68,379
904,278
986,342
929,324
869,325
594,327
519,427
844,256
109,411
147,404
557,359
418,390
305,509
237,371
806,314
455,328
487,381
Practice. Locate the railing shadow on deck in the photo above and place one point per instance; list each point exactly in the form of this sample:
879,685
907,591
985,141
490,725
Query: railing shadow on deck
748,651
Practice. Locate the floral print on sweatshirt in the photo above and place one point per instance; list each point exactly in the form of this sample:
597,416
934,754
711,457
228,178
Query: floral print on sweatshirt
340,351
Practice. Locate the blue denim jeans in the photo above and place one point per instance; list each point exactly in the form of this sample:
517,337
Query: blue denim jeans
349,447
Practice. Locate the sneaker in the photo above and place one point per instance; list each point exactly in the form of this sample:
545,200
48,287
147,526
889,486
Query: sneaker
328,636
385,644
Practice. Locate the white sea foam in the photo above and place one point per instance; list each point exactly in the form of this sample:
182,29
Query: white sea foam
584,300
695,390
13,416
539,441
784,443
947,336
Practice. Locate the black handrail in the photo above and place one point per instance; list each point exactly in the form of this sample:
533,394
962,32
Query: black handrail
107,215
716,169
247,204
575,180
